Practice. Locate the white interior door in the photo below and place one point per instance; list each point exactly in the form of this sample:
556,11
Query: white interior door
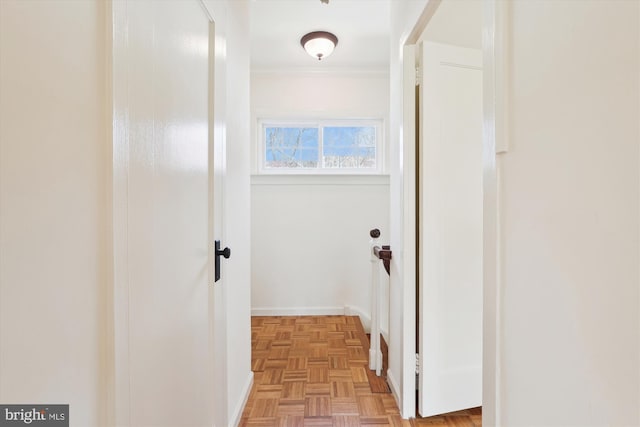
451,229
164,214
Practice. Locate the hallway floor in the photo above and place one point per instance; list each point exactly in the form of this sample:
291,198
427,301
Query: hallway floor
311,371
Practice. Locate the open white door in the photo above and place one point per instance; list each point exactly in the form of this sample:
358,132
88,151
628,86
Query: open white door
450,327
166,323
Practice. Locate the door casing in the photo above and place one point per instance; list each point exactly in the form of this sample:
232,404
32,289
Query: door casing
495,110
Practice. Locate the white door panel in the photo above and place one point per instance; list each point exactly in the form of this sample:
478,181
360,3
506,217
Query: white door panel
161,97
451,229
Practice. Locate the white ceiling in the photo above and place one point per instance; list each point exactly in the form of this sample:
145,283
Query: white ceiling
362,28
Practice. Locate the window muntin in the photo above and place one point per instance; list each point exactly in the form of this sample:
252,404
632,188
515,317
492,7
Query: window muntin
333,147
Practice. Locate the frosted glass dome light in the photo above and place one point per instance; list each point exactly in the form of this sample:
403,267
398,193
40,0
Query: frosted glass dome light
319,44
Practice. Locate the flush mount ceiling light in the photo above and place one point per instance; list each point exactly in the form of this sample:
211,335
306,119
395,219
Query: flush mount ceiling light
319,44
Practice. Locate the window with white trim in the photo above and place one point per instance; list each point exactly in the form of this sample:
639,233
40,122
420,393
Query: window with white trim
321,146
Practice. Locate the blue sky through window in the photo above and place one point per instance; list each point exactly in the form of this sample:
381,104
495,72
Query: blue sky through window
348,147
292,146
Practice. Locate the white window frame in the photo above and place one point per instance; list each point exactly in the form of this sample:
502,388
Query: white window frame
377,123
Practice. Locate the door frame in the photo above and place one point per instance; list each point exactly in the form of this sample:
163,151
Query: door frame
495,107
116,374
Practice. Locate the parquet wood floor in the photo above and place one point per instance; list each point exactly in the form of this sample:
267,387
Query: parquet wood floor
312,371
467,418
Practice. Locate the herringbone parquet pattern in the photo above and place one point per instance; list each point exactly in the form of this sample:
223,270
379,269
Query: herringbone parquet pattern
312,371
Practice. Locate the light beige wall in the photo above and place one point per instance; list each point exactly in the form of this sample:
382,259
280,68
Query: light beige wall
570,216
54,160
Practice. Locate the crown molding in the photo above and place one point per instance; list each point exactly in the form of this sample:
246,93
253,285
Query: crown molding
369,71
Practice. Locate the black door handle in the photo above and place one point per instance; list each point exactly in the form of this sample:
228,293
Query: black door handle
226,253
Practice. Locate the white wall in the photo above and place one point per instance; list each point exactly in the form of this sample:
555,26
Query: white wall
456,22
570,217
54,211
309,233
311,245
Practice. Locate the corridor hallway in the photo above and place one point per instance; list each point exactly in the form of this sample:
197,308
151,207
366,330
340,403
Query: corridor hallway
312,371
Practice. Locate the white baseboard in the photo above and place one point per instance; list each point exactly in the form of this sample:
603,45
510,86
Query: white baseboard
393,385
297,311
350,310
246,390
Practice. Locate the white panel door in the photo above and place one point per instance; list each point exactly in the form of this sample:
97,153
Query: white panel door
450,229
163,144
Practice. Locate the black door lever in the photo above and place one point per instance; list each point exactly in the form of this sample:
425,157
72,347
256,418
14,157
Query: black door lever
226,253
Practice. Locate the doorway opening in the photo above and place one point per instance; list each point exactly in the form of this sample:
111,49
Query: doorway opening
446,141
